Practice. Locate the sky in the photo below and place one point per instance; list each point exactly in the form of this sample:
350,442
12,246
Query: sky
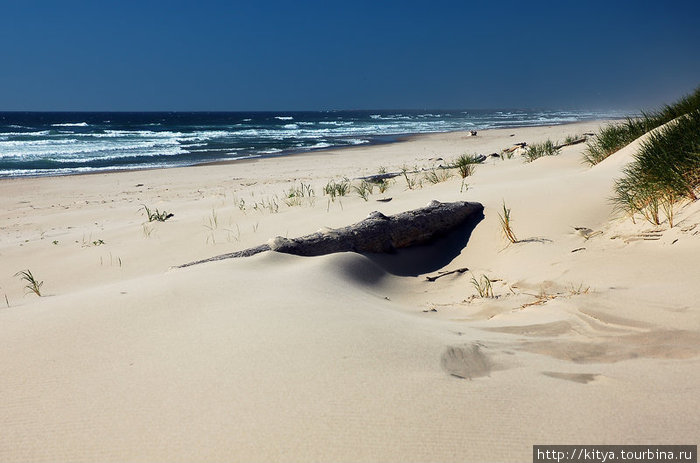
206,55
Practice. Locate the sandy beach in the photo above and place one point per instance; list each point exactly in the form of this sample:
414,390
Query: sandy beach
592,336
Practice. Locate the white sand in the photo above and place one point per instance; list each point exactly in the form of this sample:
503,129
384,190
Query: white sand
285,358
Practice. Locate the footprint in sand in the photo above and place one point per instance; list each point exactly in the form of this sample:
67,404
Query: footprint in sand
466,362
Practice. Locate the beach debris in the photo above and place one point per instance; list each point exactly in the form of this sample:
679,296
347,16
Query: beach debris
516,149
587,233
445,273
572,142
377,233
578,249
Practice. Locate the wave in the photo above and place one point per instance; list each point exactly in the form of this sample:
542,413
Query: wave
284,118
71,124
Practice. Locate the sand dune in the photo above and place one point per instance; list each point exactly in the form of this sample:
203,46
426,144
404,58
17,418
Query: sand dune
593,336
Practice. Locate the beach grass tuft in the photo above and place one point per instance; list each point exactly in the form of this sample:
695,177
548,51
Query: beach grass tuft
33,285
364,189
665,171
506,224
155,215
539,150
336,189
465,164
296,194
616,136
435,176
483,286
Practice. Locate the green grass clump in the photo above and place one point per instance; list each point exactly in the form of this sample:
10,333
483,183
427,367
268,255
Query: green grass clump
616,136
465,164
571,138
296,194
155,215
364,189
483,286
666,170
437,175
334,188
33,285
538,150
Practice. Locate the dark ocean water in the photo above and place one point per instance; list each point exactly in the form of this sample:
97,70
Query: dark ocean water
33,143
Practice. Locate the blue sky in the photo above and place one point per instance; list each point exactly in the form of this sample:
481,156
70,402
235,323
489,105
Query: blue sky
315,55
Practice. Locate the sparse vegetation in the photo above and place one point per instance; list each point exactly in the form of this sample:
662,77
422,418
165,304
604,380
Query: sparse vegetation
506,224
155,215
465,164
615,136
336,189
539,150
483,286
666,170
33,285
572,138
364,189
578,290
437,175
296,194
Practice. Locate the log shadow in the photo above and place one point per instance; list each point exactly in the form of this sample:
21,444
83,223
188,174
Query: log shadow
427,258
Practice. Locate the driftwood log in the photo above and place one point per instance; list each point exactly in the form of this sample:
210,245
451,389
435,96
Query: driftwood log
572,142
375,234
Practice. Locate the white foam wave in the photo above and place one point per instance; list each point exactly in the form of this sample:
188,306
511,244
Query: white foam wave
19,134
284,118
71,124
290,126
320,145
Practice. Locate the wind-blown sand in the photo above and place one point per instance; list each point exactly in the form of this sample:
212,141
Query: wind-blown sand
333,358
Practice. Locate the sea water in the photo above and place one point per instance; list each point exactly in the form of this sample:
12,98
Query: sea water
56,143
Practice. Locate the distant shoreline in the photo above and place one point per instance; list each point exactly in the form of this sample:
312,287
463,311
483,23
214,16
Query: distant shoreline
374,140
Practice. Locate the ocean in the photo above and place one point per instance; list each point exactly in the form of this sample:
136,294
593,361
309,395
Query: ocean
58,143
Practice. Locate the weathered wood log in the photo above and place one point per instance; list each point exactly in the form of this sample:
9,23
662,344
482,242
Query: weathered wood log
573,142
375,234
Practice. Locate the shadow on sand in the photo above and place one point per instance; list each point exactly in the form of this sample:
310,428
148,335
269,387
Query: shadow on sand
418,260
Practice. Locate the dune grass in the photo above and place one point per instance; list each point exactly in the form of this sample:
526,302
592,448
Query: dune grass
336,189
364,189
483,286
539,150
296,194
666,170
465,164
616,136
33,285
155,215
506,225
436,176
